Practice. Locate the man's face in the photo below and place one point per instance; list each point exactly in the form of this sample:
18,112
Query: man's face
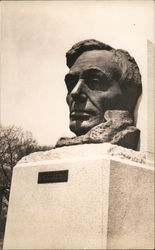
92,89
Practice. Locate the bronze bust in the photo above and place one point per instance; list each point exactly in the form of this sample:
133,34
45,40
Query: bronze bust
103,87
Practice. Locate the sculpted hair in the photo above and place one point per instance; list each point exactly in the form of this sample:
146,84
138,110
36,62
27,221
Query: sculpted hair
86,45
130,79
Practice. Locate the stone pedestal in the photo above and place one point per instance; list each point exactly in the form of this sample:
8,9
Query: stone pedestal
106,201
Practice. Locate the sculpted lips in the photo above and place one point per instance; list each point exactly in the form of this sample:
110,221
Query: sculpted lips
80,115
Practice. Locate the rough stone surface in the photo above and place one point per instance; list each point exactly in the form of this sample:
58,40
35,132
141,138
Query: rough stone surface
117,129
67,215
131,207
105,204
85,151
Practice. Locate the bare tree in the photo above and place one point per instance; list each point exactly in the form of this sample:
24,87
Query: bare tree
14,144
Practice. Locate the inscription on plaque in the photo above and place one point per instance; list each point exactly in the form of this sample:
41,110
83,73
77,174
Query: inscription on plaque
52,176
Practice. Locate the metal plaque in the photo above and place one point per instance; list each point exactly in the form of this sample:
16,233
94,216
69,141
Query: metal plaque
53,176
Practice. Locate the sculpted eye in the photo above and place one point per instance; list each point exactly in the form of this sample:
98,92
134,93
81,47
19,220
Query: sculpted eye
100,84
70,82
94,83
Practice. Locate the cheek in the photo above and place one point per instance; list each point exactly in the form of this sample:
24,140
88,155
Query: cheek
107,99
112,92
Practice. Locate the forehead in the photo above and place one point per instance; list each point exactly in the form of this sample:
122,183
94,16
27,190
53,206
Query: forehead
101,59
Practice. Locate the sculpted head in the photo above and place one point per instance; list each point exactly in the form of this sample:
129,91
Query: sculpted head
100,78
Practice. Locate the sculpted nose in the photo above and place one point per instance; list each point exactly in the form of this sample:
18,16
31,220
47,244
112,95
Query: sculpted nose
77,92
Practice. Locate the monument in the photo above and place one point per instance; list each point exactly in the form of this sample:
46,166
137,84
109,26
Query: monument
96,189
103,87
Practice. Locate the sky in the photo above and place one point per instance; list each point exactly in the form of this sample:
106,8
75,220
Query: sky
35,36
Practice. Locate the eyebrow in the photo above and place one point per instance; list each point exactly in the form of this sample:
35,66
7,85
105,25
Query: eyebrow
97,70
90,70
71,75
